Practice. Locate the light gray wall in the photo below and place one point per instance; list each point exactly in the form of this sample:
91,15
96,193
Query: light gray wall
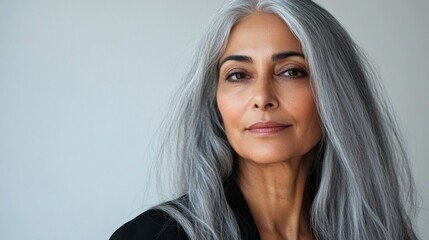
85,83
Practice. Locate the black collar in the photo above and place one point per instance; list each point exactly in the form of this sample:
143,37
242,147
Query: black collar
238,204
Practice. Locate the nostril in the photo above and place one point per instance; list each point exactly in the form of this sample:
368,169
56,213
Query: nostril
263,107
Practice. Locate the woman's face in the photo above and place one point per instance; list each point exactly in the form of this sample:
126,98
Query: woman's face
264,94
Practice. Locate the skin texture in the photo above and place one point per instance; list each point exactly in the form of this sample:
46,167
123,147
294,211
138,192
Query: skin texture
263,78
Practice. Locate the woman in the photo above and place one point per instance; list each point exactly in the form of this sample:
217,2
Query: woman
281,134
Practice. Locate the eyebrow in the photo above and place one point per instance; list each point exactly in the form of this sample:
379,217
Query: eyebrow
274,57
283,55
239,58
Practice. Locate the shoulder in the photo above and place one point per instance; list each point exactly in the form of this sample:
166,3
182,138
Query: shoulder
152,224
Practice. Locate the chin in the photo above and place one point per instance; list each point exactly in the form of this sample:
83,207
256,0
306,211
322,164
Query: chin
267,158
274,156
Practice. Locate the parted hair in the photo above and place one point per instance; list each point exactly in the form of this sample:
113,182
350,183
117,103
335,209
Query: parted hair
362,184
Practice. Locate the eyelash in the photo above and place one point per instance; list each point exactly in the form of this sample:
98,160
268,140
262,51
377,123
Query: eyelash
298,73
229,76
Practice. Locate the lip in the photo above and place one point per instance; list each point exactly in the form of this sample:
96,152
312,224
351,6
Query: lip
268,127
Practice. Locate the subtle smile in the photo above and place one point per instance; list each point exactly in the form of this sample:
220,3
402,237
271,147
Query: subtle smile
267,127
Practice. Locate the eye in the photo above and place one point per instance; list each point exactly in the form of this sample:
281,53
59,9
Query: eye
237,76
294,73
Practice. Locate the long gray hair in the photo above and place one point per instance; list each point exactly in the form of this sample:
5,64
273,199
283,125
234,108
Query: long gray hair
364,189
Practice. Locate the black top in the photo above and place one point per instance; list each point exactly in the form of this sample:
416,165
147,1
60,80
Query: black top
156,224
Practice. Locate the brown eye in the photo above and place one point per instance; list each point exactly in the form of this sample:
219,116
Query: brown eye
234,77
294,73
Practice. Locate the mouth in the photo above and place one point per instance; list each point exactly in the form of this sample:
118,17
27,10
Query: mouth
267,127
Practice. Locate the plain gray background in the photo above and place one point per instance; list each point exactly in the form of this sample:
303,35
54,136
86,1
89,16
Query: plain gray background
85,83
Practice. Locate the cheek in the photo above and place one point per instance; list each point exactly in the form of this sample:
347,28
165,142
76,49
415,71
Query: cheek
232,113
313,130
227,111
307,119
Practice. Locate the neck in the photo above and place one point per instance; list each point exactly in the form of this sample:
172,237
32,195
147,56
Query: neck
277,197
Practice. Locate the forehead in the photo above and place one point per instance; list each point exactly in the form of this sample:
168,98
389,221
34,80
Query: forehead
261,31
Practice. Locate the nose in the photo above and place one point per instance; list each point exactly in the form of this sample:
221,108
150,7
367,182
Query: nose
265,95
